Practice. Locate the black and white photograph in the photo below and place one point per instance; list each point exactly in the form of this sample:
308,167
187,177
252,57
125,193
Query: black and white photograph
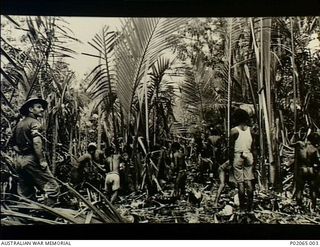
160,120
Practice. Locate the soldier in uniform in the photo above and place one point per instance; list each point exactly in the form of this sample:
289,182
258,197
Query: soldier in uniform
31,163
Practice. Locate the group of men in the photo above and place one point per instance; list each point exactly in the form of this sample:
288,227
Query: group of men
101,169
211,158
34,171
32,167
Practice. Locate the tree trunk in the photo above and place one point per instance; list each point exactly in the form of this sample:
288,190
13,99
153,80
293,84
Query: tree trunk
99,129
71,142
258,54
294,104
155,116
115,134
229,86
146,105
55,139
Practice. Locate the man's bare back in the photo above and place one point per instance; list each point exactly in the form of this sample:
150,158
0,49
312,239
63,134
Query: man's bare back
114,163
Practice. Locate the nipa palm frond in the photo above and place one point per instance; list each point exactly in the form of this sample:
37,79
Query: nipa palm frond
102,78
142,42
198,87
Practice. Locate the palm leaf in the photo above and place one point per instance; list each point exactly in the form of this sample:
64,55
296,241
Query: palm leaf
102,215
51,210
197,90
12,20
14,214
141,40
117,216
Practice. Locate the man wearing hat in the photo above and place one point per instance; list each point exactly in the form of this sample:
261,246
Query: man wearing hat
31,164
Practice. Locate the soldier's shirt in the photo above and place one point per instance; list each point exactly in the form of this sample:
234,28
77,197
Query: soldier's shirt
25,131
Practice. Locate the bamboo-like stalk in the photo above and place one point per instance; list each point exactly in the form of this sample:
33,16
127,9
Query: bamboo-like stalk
294,82
99,128
146,103
229,85
266,67
71,143
155,115
110,92
258,53
55,139
294,105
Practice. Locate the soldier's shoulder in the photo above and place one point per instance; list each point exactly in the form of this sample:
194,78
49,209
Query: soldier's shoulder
27,122
32,121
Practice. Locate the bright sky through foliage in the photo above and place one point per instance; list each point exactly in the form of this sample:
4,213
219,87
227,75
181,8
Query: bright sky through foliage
84,29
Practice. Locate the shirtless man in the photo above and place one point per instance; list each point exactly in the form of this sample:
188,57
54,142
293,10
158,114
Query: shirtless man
180,169
89,168
216,142
307,168
112,185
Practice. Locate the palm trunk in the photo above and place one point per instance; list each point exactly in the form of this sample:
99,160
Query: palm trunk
55,139
99,129
229,86
79,139
115,134
123,127
257,50
269,111
71,142
106,131
146,104
155,116
294,82
294,105
276,127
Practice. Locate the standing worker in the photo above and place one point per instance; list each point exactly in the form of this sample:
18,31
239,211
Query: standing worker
180,169
242,157
31,163
112,183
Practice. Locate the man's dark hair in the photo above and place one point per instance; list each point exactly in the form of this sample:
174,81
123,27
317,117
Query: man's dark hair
314,138
92,147
175,146
241,117
109,151
215,131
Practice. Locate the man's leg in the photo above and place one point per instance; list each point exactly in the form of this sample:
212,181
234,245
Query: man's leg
114,196
222,180
242,196
248,178
300,182
26,183
26,186
45,182
249,195
238,165
115,187
176,185
313,188
183,183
